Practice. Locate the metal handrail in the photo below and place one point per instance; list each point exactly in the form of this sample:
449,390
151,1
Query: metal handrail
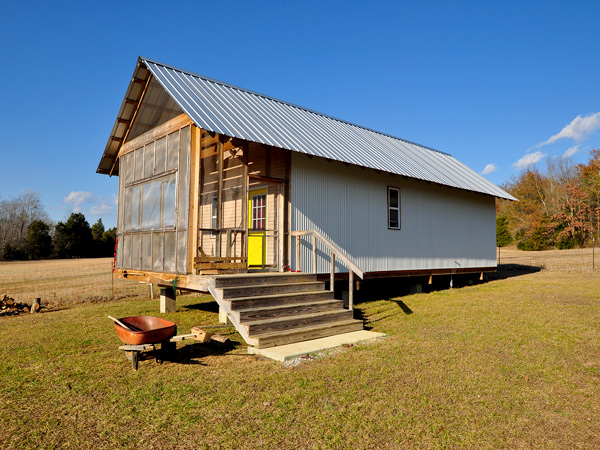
352,268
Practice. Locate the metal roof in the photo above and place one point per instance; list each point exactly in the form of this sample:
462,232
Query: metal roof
226,109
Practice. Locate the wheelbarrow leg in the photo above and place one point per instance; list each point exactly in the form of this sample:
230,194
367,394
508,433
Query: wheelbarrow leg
134,359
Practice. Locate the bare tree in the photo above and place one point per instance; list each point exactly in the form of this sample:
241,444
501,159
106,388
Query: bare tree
17,214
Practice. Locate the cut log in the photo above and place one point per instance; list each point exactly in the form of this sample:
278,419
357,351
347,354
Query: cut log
35,306
201,335
220,340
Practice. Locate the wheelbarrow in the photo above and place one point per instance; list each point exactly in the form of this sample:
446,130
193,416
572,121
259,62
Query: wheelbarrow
143,333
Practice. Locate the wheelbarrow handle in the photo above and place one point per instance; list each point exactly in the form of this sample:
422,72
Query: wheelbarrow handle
121,323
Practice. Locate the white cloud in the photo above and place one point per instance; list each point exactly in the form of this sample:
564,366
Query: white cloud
529,159
102,208
490,168
86,202
578,130
78,198
570,151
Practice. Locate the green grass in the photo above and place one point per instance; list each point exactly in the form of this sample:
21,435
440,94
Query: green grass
512,363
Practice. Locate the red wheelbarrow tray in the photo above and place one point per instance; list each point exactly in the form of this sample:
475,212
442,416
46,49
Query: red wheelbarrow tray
151,330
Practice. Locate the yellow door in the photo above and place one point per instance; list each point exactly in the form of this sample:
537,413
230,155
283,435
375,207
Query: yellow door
257,227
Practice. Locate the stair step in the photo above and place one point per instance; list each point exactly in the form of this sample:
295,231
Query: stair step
266,312
230,293
277,338
296,321
262,279
241,303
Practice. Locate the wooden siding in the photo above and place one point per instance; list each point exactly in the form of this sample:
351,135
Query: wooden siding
441,227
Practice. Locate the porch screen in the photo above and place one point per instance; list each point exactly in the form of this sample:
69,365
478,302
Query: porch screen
153,191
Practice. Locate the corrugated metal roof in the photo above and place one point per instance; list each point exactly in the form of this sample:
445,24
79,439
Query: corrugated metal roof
226,109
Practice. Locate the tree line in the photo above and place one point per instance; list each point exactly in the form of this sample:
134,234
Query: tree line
27,232
557,208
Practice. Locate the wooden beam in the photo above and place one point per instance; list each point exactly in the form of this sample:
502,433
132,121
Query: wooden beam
193,198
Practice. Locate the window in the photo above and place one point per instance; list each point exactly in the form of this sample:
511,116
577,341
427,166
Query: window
393,208
259,212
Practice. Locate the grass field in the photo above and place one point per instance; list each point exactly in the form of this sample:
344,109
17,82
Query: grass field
512,363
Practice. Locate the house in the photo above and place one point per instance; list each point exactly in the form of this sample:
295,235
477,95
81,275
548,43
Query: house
221,188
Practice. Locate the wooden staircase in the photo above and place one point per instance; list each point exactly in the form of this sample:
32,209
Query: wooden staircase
271,309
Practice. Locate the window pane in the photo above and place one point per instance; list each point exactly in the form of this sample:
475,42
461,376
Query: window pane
129,165
393,198
149,160
169,251
160,152
136,250
126,250
173,150
134,224
181,251
169,202
157,251
147,251
139,164
394,216
151,205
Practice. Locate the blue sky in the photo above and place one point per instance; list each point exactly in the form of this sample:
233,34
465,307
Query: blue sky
498,85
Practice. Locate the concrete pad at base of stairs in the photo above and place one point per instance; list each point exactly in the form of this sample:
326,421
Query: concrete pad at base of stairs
291,351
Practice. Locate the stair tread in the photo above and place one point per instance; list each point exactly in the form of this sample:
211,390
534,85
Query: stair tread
284,294
296,317
306,328
250,286
264,275
259,309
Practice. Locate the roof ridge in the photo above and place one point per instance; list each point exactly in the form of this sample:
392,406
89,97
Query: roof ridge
293,105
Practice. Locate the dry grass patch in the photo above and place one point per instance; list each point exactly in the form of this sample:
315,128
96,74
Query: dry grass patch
63,282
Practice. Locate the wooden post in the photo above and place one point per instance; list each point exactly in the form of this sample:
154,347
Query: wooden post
350,290
245,199
298,253
220,196
314,253
332,274
167,300
228,249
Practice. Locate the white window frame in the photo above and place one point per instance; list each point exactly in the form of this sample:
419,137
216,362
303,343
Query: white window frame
393,208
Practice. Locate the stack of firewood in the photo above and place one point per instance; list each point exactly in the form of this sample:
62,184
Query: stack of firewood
10,307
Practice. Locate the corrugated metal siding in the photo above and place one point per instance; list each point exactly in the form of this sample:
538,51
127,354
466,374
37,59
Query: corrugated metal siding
441,228
236,112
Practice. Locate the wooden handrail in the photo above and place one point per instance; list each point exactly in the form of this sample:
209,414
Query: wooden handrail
334,253
332,249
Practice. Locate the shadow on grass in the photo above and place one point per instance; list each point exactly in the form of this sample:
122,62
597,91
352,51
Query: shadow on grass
505,271
211,306
189,354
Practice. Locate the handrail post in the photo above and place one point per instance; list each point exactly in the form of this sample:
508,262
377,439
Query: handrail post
350,290
332,274
314,253
298,253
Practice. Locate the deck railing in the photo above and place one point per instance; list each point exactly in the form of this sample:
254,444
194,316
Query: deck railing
353,269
